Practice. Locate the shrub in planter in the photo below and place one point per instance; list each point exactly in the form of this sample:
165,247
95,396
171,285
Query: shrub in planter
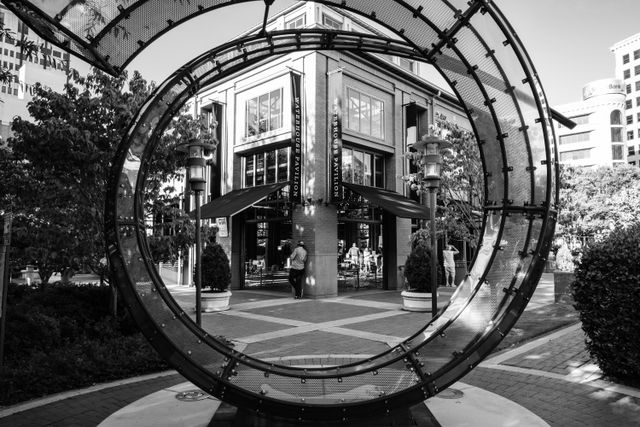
216,271
606,291
417,267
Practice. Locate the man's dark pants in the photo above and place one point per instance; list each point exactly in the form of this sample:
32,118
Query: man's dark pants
295,278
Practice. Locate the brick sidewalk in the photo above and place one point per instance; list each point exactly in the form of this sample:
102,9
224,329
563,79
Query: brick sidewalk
539,375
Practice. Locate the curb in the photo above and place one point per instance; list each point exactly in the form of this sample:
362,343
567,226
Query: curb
35,403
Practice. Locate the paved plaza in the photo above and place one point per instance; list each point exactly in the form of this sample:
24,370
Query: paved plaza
550,376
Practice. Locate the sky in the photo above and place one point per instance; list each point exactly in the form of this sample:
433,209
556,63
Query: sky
568,41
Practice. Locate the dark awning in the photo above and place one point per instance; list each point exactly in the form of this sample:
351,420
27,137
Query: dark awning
390,201
237,201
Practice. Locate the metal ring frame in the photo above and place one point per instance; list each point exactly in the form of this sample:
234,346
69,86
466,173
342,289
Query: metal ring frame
498,88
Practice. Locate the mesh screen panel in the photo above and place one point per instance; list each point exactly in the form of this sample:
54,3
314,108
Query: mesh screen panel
372,385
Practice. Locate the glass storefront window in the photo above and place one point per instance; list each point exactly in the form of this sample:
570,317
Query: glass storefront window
264,113
365,114
379,171
260,169
358,167
271,167
249,171
283,164
367,166
362,168
267,167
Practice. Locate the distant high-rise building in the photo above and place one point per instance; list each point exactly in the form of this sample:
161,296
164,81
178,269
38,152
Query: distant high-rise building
627,57
599,136
48,66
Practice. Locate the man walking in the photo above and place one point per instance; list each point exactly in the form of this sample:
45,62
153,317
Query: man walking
298,258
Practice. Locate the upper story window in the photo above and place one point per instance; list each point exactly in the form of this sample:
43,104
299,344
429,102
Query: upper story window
362,168
576,137
22,28
365,114
264,113
330,22
616,126
629,134
616,134
636,70
615,118
575,155
578,120
629,120
266,167
617,152
628,104
625,59
628,88
636,54
408,64
626,74
297,22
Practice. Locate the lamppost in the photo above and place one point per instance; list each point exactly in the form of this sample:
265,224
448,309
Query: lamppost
196,166
432,169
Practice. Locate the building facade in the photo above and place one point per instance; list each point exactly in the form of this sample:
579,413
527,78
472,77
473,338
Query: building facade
313,148
48,66
627,60
600,135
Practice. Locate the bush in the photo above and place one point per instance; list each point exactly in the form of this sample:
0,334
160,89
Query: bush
417,267
606,291
60,337
216,271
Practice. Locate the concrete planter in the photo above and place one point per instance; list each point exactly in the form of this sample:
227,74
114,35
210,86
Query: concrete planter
416,301
562,285
215,301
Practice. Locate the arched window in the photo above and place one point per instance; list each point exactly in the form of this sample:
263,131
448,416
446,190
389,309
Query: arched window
616,117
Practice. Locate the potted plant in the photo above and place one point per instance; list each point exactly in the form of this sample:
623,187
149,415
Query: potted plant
563,275
216,278
417,272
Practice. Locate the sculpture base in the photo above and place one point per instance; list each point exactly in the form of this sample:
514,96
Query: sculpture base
230,416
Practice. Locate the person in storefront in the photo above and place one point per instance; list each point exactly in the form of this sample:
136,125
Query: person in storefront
354,255
449,264
366,257
298,258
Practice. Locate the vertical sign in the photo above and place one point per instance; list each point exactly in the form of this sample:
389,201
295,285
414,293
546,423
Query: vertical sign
296,140
335,143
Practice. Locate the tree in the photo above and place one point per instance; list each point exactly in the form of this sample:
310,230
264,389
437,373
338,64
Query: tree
461,194
594,202
61,161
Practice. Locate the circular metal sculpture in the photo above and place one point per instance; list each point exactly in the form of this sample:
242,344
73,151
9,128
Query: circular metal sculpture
475,49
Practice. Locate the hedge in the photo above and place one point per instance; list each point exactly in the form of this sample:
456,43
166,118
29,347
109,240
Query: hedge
607,296
61,337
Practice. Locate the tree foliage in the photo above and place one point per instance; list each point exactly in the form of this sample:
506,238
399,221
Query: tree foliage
593,202
57,165
461,194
